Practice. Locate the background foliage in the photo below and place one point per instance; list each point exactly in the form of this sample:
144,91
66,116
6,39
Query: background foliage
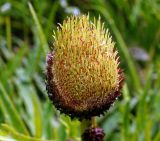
26,29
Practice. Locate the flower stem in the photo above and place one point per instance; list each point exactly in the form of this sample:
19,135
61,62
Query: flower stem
84,125
93,122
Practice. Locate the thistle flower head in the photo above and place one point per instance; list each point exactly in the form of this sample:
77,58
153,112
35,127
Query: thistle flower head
83,74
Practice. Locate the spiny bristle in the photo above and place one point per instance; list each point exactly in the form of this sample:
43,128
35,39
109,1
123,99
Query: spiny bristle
84,69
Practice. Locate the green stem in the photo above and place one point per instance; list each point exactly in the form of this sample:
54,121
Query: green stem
8,32
84,125
88,123
93,122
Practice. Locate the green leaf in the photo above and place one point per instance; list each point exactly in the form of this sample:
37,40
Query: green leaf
6,139
18,136
48,113
39,29
10,112
33,107
37,115
71,127
13,64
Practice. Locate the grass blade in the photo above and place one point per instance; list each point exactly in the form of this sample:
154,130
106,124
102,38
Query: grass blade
37,115
10,112
13,64
18,136
39,29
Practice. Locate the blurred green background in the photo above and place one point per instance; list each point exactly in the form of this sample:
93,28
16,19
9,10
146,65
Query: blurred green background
26,29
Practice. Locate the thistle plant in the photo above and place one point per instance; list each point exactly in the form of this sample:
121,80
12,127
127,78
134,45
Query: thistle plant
83,74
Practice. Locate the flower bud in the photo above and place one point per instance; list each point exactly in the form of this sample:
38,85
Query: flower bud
83,74
93,134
